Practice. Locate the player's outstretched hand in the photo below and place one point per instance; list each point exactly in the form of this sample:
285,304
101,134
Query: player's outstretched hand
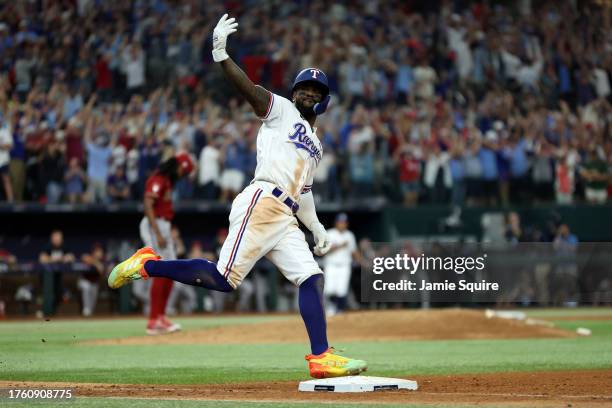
322,244
224,28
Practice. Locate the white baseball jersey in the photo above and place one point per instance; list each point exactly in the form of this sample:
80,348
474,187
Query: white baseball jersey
288,149
288,152
345,240
338,262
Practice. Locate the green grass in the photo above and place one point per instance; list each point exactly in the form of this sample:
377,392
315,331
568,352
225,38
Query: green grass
68,330
62,356
563,312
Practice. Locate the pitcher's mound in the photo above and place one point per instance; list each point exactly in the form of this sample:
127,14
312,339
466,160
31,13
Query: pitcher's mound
388,325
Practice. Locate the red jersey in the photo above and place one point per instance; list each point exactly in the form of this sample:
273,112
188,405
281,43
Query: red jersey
410,169
159,188
104,76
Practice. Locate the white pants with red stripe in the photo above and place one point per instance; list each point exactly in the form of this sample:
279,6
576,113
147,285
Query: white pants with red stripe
261,225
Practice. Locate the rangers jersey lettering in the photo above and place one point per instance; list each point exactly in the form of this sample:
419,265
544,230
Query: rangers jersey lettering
288,149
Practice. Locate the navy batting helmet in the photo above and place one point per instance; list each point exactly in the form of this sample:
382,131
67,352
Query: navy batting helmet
314,75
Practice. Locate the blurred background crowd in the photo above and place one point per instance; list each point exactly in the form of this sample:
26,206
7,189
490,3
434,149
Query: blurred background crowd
75,268
474,103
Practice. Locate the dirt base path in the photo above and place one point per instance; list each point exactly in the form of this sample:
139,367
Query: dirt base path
391,325
588,388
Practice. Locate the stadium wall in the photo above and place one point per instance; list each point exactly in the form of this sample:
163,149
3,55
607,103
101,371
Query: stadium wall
384,223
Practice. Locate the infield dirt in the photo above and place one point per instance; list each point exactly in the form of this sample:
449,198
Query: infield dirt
391,325
590,388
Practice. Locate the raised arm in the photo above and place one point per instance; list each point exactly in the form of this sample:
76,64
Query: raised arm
257,96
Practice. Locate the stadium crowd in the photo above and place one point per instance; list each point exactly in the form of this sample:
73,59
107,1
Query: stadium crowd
433,102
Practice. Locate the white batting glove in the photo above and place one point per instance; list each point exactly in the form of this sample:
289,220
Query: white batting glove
224,28
322,244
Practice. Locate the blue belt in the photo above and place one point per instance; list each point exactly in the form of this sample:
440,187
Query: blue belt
277,192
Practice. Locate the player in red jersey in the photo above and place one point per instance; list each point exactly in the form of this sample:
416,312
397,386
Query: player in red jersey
156,232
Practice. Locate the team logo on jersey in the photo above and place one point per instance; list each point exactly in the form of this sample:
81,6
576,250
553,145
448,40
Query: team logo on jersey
301,140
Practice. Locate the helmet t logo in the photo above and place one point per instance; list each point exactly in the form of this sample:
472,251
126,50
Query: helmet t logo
314,73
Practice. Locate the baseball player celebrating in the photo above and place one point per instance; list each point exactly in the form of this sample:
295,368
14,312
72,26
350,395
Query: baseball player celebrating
156,233
337,264
263,216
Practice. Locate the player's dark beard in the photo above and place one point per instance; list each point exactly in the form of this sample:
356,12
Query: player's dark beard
306,111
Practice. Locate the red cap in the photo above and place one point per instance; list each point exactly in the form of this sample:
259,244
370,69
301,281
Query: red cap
185,162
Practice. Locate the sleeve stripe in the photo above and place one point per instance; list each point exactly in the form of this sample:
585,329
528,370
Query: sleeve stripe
270,104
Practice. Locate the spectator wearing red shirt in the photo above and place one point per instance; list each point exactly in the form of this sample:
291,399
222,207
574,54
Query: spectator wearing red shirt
73,138
6,257
104,78
409,174
156,232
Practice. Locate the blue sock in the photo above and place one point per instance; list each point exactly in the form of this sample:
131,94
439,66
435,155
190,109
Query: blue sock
194,272
311,309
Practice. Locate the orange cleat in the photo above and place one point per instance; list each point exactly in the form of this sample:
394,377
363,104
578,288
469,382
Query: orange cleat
132,268
329,364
